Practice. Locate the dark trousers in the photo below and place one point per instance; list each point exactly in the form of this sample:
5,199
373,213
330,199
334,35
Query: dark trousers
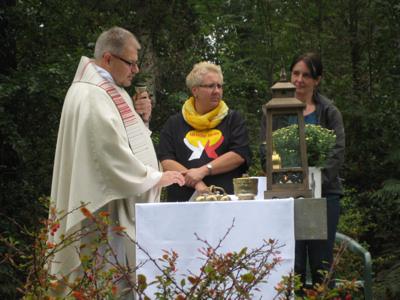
319,252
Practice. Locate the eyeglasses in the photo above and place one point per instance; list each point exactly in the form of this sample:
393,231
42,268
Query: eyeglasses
211,86
131,64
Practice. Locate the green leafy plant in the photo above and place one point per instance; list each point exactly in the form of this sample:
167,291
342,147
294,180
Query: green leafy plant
319,143
100,270
230,275
222,275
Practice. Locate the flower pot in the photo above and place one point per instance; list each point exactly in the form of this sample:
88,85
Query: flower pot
315,181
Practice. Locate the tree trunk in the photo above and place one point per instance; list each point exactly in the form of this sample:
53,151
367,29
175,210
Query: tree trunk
8,49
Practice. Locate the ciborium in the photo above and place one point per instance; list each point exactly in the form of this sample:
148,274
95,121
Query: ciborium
245,187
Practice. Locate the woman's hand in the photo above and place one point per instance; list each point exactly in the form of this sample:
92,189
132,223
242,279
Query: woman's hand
194,175
201,187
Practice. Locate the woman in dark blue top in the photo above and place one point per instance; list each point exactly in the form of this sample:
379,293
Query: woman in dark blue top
306,74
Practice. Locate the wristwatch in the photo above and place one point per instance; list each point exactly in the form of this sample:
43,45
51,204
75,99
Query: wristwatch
209,167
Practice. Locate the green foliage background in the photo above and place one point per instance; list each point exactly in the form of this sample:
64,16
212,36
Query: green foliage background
359,42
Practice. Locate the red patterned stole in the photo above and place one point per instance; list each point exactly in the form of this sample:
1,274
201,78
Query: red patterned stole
135,131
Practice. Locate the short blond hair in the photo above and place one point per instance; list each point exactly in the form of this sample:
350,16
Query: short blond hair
195,77
114,40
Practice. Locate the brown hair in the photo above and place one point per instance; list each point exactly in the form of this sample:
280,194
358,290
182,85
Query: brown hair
312,61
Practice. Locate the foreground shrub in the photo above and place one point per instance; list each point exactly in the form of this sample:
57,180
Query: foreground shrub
230,275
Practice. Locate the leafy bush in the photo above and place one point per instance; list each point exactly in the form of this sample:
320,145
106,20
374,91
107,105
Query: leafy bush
230,275
319,143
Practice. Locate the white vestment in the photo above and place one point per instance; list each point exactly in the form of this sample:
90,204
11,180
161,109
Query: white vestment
95,164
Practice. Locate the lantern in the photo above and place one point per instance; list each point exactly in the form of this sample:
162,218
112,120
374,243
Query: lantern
287,169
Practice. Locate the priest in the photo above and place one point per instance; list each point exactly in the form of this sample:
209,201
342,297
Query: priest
104,156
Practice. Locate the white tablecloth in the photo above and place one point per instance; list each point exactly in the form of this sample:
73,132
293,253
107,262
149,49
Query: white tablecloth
171,226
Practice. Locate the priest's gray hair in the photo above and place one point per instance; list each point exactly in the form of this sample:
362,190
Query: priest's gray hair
195,77
113,40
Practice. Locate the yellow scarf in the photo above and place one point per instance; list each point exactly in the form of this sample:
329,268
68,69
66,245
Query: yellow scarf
206,121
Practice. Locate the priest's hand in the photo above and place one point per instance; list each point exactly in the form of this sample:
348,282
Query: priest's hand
143,106
171,177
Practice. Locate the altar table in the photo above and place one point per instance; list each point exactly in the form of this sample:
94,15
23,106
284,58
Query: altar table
171,226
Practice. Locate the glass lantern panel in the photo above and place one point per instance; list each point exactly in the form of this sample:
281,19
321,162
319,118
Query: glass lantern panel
286,141
287,177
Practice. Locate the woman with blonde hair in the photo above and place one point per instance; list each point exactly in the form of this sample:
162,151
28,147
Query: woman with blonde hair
207,142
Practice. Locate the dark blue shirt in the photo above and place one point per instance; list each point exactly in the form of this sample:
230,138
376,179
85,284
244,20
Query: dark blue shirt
311,118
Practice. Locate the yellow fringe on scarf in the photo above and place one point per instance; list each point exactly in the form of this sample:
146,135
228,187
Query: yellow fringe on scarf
206,121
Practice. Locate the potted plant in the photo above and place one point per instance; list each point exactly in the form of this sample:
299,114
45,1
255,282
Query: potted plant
319,143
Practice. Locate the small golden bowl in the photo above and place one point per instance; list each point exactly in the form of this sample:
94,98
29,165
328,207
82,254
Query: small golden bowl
245,188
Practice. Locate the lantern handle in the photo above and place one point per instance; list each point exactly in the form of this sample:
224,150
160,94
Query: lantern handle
282,75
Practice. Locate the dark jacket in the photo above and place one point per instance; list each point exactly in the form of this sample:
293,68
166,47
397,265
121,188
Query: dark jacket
328,116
